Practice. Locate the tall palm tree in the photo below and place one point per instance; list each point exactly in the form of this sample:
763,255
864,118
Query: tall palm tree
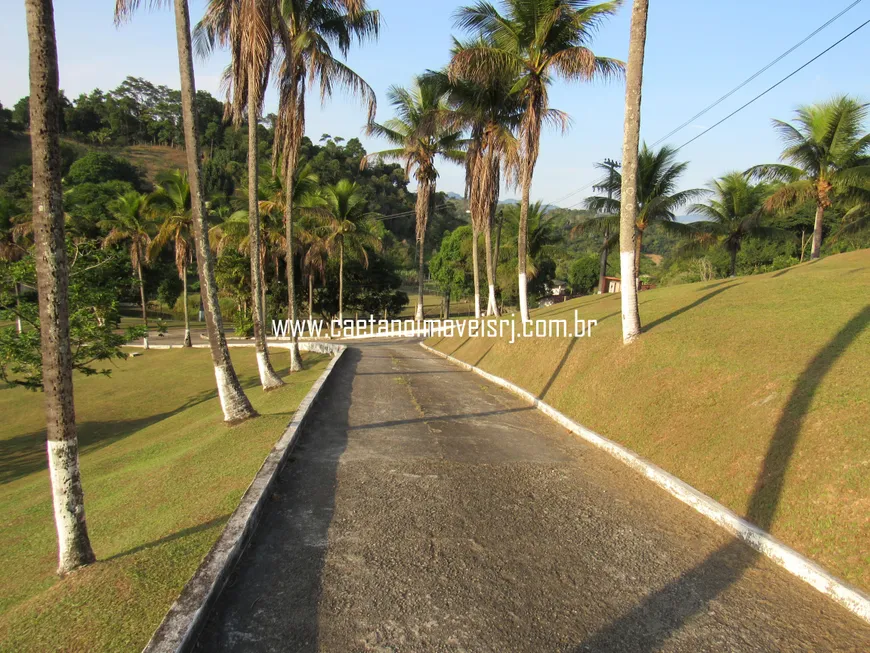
309,30
827,150
656,198
348,232
733,213
608,184
536,40
52,277
419,138
629,249
171,201
491,112
248,28
132,223
234,403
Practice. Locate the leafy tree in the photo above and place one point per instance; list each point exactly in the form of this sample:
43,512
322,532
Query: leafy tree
21,112
97,280
827,150
449,265
99,167
583,274
536,40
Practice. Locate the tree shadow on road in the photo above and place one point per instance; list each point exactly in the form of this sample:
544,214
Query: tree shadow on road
663,613
271,600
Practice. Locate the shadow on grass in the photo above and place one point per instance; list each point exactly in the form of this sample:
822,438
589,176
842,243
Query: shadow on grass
184,532
24,454
664,612
792,267
688,307
272,598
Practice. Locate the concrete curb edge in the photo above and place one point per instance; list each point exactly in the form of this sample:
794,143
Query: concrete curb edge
851,598
181,625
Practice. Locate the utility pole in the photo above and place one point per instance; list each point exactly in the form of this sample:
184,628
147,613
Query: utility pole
611,166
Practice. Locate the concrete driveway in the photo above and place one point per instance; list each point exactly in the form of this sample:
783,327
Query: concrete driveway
425,510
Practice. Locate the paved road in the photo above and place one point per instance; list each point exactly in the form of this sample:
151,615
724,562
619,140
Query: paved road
424,510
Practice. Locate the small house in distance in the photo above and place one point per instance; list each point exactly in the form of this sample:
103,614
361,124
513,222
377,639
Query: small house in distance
612,284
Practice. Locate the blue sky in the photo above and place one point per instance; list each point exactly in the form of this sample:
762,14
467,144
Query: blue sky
696,51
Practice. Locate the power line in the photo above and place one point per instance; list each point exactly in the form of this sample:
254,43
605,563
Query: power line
756,74
770,88
737,88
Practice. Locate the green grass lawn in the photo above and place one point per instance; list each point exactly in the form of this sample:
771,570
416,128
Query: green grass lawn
755,390
161,474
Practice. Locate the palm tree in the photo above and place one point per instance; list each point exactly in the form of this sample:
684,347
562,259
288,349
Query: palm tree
172,203
247,27
308,30
348,232
536,40
491,113
52,276
419,138
656,195
132,223
734,213
235,404
610,185
828,156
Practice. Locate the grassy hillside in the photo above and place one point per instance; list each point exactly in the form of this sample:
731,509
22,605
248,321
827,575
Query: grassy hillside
152,159
161,475
754,390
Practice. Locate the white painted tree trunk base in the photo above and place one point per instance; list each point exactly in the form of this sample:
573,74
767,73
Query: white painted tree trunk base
418,315
628,291
492,305
69,510
233,405
524,298
145,342
477,305
295,358
268,378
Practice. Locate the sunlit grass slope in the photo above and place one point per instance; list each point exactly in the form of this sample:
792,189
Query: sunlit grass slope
161,475
754,390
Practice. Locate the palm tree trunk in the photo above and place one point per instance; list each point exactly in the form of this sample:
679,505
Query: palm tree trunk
424,192
341,281
447,306
52,276
310,297
187,342
475,235
602,268
142,299
733,270
295,357
628,204
234,402
491,306
522,244
268,378
817,233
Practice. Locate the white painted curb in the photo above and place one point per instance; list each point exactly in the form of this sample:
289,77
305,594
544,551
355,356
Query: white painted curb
851,598
181,625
